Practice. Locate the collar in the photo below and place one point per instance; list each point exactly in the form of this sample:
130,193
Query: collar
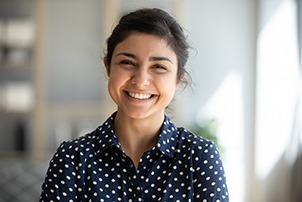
168,138
166,142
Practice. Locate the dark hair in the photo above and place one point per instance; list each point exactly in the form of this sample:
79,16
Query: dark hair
155,22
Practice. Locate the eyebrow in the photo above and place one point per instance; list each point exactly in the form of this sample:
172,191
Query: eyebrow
160,59
154,58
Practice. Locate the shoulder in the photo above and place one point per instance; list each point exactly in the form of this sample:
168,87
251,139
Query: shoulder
82,146
184,136
194,142
200,150
91,144
187,142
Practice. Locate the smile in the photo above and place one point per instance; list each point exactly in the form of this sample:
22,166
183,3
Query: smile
140,96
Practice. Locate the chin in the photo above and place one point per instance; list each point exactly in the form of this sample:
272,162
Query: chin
138,116
154,116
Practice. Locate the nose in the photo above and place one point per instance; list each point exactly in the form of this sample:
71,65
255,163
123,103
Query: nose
140,78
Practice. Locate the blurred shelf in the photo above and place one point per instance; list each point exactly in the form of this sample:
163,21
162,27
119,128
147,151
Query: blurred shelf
15,154
17,88
75,109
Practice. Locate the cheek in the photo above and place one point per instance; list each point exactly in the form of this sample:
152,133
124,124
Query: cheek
113,87
113,83
169,80
168,85
116,79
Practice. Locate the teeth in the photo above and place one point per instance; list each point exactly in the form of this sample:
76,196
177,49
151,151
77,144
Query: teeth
139,96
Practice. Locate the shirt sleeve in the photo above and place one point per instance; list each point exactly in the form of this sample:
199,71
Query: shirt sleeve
61,181
210,181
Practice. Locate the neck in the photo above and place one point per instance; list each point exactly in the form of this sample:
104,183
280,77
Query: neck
136,136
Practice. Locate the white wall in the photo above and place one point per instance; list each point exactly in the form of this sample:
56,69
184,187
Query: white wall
74,72
75,39
223,70
277,111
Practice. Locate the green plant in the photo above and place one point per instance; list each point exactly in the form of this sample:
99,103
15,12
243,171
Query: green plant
207,130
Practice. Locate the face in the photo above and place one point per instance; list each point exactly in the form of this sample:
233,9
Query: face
142,76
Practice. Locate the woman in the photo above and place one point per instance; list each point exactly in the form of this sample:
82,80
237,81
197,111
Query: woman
138,154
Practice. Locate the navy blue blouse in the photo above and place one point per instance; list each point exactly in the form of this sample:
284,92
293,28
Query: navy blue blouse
181,167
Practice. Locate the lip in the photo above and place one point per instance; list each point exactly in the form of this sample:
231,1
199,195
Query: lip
139,95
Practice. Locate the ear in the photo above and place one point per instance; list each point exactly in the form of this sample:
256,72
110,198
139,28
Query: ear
107,66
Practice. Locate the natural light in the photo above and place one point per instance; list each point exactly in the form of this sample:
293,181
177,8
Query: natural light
277,86
226,105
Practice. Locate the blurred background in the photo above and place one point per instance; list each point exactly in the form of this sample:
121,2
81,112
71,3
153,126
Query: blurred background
245,63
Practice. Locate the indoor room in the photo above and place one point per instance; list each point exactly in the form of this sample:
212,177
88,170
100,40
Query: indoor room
246,72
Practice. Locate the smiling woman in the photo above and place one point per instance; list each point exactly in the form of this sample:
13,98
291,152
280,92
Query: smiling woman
142,66
138,154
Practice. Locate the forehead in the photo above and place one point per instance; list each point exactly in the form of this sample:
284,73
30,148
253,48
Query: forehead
145,45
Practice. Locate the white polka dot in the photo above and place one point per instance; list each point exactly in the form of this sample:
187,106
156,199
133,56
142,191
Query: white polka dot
96,165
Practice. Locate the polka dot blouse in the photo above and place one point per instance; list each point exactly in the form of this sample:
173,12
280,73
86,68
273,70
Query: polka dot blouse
181,167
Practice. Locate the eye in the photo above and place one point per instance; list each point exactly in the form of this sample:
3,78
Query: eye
159,67
126,62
